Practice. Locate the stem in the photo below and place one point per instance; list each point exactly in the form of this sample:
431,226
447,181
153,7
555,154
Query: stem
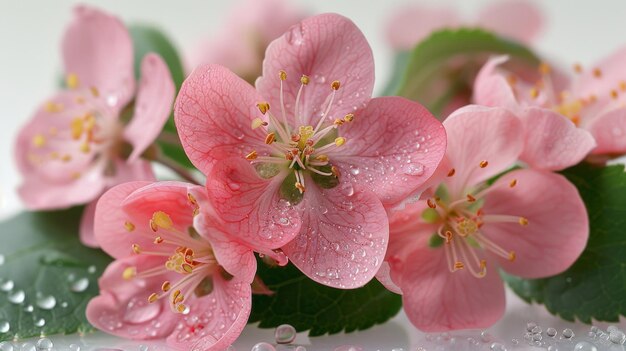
176,168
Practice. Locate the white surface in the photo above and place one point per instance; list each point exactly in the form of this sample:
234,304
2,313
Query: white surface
30,32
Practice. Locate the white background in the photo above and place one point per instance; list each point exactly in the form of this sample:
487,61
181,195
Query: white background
30,32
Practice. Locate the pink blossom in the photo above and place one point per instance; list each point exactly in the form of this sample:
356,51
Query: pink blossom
247,31
177,274
516,19
593,102
77,144
445,251
307,159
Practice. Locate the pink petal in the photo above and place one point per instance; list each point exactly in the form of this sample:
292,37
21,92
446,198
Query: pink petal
122,308
326,48
343,237
492,89
130,171
516,19
216,320
384,277
153,106
477,134
608,130
213,112
552,141
411,24
98,50
611,77
558,226
394,145
437,300
86,231
110,218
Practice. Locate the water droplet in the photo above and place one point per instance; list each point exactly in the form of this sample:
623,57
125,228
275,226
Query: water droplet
551,332
27,346
46,302
6,346
530,326
44,344
2,259
64,304
143,348
553,348
7,285
348,348
514,341
74,347
616,131
263,346
537,337
285,334
585,346
355,170
80,285
300,348
40,322
536,330
140,311
413,168
17,297
568,333
347,189
496,346
485,336
91,269
4,326
296,35
617,337
234,186
29,308
320,79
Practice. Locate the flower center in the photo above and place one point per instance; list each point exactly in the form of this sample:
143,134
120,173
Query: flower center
301,148
186,254
460,221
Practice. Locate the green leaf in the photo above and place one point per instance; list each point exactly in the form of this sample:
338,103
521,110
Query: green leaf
148,39
42,256
307,305
444,65
595,286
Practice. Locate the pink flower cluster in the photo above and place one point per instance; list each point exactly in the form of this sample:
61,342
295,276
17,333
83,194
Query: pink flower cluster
307,167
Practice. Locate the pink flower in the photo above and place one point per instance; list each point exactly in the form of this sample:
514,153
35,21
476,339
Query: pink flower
240,44
317,160
445,252
516,19
177,274
593,102
77,144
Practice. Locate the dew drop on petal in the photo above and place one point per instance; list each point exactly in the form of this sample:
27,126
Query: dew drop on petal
347,188
80,285
585,346
263,346
285,334
414,169
46,302
4,327
17,297
140,311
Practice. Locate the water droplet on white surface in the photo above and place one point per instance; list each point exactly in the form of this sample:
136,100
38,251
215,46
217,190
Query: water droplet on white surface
44,344
263,346
585,346
285,334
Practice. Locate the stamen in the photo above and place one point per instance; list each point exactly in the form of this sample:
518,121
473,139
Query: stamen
257,122
614,94
544,68
340,141
72,81
166,286
523,221
512,256
578,68
153,297
513,183
431,204
77,128
322,158
129,273
349,117
483,164
458,265
136,248
129,226
270,138
263,107
252,155
53,107
470,198
282,74
94,91
335,171
158,240
335,85
304,79
534,93
451,172
597,73
161,219
39,141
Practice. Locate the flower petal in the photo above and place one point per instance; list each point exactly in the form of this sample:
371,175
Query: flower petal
153,106
477,134
600,79
251,206
491,88
343,238
130,172
552,141
557,229
608,130
437,300
411,24
394,144
326,48
98,50
122,308
86,230
215,320
110,230
213,113
515,19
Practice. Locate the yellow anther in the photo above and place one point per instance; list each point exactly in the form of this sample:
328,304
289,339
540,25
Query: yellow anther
161,219
54,155
66,158
75,175
622,86
80,100
263,107
166,286
338,122
448,235
614,94
451,172
187,268
252,155
180,298
53,107
158,240
85,148
483,164
349,117
578,68
270,138
466,227
39,140
544,68
458,265
340,141
153,297
512,256
513,183
175,295
257,122
335,85
72,81
483,264
304,79
300,187
322,158
77,128
90,122
129,226
335,171
534,93
282,74
597,73
523,221
470,198
94,91
129,273
136,248
181,308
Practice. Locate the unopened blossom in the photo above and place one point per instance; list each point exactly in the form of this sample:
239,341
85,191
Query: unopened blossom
592,104
445,251
80,141
516,19
241,40
177,274
308,159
